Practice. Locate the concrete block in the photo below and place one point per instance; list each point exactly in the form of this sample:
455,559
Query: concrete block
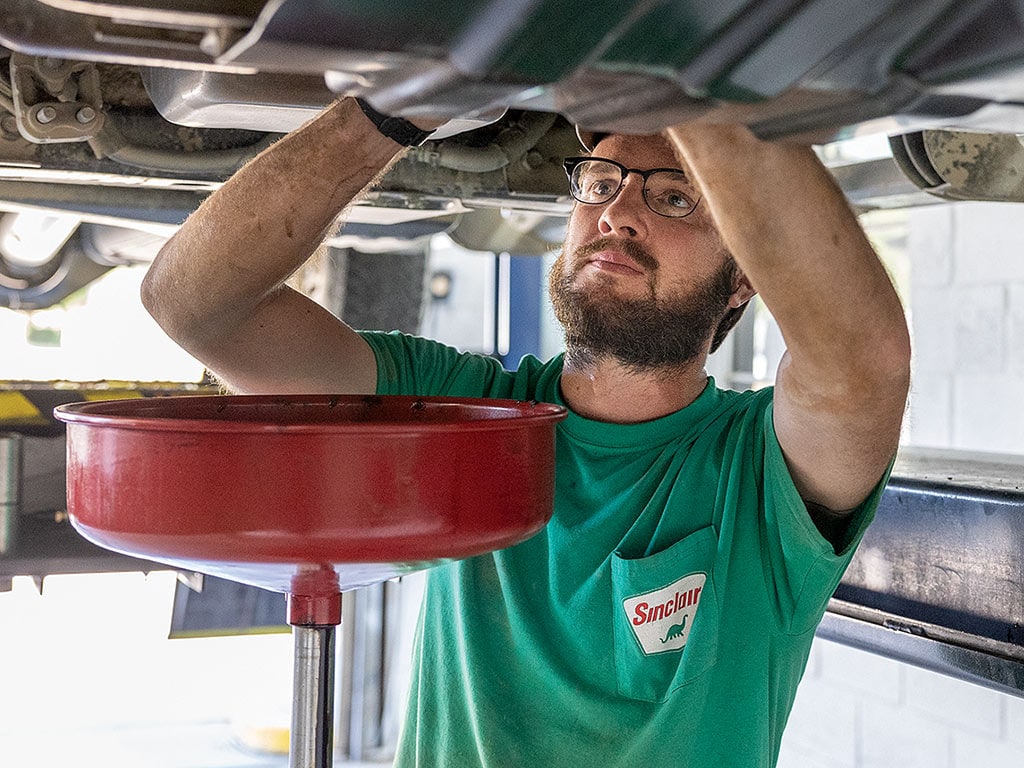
932,328
979,328
1014,731
793,757
973,751
813,669
929,419
930,245
823,726
894,736
954,703
988,243
849,668
1015,329
987,413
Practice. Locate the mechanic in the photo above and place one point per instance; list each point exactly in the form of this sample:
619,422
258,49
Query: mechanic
665,615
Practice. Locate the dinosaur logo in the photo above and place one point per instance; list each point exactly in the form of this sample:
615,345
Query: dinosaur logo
661,620
676,630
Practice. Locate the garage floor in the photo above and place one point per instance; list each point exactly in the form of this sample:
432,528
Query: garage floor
204,745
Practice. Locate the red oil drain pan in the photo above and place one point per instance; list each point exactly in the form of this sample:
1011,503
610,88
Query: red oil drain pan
310,496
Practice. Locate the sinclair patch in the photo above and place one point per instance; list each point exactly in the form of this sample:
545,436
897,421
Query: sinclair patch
662,619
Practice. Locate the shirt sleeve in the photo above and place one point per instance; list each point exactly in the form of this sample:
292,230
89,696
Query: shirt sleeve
806,566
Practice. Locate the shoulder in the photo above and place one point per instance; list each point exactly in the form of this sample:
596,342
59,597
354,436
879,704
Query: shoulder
408,365
398,345
734,408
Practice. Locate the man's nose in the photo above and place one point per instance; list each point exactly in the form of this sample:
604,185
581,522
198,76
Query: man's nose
626,213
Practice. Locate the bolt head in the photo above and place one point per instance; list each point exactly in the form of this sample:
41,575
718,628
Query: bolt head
85,115
46,114
212,43
533,160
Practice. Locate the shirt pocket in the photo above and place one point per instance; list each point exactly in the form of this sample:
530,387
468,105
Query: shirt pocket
665,617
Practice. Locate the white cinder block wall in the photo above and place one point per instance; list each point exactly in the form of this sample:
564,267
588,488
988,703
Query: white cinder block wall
966,304
967,313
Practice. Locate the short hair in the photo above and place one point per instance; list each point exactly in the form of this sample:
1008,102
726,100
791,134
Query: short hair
727,324
729,320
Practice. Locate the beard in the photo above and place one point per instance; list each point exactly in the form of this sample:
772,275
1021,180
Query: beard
643,334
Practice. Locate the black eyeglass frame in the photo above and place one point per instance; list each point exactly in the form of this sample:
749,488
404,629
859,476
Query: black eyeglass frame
570,164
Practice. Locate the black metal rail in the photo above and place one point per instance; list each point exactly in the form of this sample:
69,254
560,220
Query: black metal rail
939,578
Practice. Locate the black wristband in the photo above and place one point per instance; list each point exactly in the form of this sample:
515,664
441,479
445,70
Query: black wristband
398,129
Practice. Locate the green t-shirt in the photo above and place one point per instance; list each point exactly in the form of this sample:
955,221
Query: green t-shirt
662,618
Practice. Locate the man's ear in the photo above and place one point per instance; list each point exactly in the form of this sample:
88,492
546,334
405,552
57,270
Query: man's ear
742,292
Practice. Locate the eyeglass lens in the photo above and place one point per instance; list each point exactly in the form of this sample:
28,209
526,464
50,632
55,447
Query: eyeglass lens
667,192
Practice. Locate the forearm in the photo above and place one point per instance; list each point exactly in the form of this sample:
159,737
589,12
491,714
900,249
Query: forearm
790,229
250,235
842,384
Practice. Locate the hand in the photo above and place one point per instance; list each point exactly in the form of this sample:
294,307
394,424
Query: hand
439,129
768,120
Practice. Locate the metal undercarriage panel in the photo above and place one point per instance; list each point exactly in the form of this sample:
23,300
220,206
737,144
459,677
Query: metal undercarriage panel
798,66
184,93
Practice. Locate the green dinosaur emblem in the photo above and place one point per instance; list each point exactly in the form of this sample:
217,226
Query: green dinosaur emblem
676,630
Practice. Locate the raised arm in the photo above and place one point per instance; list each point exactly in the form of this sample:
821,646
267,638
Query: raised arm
217,287
842,384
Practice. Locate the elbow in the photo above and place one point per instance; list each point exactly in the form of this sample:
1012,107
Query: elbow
877,356
879,370
891,359
862,370
162,296
152,291
149,293
883,379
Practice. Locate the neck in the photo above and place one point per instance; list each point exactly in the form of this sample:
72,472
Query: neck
604,389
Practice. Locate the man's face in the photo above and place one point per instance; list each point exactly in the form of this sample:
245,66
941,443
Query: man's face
641,288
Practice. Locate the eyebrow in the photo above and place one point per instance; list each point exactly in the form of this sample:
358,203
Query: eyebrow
639,170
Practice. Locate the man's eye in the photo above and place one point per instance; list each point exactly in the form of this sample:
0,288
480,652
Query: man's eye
671,190
676,199
599,187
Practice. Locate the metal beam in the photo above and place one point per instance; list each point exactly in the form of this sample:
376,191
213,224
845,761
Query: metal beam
942,564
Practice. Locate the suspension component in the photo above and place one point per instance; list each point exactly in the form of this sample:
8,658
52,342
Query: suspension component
54,100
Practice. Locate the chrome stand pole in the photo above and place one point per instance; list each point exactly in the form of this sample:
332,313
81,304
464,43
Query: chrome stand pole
10,489
312,734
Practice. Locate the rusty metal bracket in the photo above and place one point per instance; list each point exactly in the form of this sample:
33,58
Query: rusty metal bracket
56,101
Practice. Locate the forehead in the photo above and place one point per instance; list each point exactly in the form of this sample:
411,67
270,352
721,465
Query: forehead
641,152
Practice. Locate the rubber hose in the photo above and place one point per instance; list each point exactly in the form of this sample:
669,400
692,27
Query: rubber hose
511,144
215,162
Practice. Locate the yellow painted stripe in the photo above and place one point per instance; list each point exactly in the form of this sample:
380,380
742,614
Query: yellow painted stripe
111,394
270,629
265,738
14,406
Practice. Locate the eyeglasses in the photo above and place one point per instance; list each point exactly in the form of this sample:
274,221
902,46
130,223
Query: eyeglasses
596,181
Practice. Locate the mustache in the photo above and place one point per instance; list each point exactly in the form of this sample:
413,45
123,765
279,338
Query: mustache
635,251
